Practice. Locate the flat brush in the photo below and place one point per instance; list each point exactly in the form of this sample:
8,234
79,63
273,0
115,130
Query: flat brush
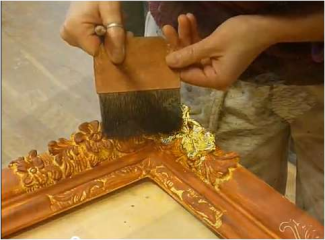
141,96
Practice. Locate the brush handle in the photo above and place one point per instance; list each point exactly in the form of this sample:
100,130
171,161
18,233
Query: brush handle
144,68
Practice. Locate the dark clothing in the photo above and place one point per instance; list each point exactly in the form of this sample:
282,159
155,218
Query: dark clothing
293,63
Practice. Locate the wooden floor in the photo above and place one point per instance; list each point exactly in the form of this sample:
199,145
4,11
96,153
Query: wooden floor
47,86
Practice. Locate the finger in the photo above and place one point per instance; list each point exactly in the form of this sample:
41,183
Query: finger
67,36
194,28
190,54
171,36
206,61
110,12
184,30
90,44
204,77
82,37
215,80
229,69
195,76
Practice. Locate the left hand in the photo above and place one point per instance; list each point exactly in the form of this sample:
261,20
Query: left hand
218,60
78,29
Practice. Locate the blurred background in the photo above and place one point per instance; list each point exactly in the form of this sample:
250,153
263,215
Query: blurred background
47,86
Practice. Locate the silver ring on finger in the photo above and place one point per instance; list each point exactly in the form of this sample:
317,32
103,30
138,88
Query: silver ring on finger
111,25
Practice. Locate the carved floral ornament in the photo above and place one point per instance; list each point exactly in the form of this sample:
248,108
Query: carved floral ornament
192,146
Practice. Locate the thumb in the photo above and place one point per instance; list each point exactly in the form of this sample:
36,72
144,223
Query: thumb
189,55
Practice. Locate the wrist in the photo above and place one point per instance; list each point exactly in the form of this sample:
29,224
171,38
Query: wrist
267,30
277,29
259,28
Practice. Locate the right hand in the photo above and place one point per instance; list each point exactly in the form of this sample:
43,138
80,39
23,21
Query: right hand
78,29
219,59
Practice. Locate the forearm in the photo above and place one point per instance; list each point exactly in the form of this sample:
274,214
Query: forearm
303,28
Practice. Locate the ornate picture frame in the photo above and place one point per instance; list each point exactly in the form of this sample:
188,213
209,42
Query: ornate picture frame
208,182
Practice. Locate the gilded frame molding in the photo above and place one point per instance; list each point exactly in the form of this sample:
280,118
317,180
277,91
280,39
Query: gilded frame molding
188,166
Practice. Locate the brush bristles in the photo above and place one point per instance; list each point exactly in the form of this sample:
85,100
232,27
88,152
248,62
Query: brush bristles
133,114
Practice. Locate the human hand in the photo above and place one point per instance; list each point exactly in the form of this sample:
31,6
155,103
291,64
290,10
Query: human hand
218,60
187,32
81,20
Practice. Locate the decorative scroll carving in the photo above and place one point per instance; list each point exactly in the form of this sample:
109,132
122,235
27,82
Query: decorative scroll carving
193,147
98,187
300,231
197,204
85,150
